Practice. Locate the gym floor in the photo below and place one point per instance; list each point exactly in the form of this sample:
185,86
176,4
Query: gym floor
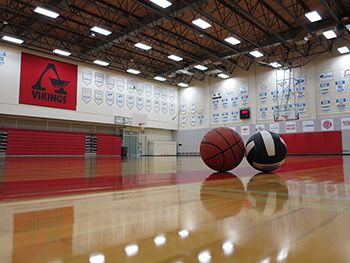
94,210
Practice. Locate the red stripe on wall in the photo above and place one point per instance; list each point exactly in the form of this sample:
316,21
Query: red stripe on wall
314,142
109,144
44,142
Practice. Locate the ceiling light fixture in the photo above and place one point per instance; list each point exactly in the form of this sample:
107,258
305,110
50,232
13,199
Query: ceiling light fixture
61,52
275,64
313,16
329,34
256,54
159,78
101,30
201,23
181,84
133,71
343,50
201,67
174,57
46,12
162,3
232,40
223,76
101,63
12,39
143,46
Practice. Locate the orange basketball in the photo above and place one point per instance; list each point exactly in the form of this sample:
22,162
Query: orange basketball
222,149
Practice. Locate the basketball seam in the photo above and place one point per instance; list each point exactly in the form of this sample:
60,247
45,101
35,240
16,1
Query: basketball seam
223,163
222,151
233,153
232,133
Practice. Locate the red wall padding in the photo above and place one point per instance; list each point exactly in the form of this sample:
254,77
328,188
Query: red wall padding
314,142
44,142
109,144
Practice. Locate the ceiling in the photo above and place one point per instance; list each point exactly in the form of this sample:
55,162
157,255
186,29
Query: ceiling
277,28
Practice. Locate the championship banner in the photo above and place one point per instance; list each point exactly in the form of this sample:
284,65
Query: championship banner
47,82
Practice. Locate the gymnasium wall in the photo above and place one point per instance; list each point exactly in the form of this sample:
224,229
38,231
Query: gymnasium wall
101,95
323,103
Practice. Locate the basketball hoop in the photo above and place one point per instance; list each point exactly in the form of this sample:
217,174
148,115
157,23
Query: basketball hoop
288,88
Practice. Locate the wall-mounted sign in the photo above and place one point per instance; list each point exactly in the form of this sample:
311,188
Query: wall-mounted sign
47,82
327,125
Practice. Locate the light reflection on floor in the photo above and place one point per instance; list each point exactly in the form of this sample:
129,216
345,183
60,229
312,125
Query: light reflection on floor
168,209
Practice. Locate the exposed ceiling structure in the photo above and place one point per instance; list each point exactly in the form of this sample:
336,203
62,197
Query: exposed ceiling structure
276,28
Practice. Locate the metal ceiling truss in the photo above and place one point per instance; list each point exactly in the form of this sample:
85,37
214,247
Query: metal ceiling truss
276,28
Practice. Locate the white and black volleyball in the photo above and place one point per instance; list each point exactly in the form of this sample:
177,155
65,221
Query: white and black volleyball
266,151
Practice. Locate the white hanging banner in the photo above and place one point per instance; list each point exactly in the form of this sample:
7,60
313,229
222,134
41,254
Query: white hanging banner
87,77
110,82
99,78
156,92
193,121
98,96
130,101
109,98
139,88
164,93
86,95
131,86
148,89
164,107
120,100
172,108
156,105
139,103
148,104
120,84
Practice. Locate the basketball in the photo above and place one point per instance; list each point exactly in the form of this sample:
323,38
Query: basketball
266,151
222,149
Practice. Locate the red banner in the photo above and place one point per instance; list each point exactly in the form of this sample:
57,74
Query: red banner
47,82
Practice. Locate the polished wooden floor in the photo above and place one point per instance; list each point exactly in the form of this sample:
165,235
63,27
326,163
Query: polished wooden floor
168,209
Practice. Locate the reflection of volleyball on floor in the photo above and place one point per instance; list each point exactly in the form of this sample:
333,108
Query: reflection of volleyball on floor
266,151
222,149
267,193
222,194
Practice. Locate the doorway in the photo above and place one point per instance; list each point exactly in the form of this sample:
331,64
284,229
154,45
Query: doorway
130,141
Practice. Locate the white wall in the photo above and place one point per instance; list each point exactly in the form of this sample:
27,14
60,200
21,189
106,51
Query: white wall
261,79
91,109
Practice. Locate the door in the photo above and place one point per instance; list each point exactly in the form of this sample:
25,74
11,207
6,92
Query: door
130,141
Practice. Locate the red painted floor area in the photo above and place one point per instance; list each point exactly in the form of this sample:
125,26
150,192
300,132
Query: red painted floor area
28,177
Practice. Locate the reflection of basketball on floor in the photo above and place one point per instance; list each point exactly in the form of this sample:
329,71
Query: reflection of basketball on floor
222,194
222,149
267,193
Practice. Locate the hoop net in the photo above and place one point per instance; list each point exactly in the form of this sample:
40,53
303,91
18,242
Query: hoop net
288,81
